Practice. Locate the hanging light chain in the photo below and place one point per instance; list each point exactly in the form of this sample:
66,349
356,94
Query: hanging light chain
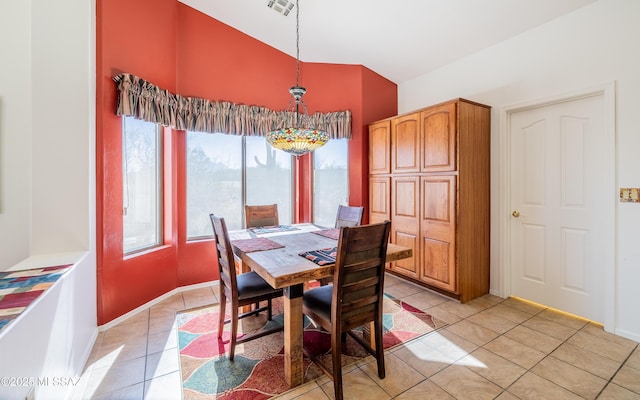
302,137
297,42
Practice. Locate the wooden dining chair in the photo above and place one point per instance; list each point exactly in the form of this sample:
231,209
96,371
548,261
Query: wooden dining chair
239,289
349,216
355,298
263,215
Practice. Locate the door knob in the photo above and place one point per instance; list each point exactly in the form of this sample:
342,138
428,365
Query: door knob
516,213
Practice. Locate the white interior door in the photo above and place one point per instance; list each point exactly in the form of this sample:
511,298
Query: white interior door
559,189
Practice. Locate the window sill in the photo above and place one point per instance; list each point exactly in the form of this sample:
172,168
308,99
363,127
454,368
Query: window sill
200,239
146,251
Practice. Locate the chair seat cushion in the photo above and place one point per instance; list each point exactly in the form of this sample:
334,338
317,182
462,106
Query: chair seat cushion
319,300
250,284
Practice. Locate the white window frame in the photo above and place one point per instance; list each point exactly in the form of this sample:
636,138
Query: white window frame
159,192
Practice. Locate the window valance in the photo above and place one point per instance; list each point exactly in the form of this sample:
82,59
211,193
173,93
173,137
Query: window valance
141,99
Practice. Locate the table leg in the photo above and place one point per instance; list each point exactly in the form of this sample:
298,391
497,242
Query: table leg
241,268
368,334
293,368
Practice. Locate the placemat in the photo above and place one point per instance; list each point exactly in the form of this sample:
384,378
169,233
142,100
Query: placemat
256,244
321,256
18,289
272,229
333,233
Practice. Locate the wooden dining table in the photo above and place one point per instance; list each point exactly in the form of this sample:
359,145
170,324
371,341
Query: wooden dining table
284,268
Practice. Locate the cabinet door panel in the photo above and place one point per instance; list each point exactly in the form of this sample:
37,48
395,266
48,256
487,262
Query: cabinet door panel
437,267
406,266
439,204
379,147
437,231
439,138
379,199
405,143
405,222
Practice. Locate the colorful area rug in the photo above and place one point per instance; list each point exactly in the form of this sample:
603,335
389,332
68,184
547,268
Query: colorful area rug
18,289
257,371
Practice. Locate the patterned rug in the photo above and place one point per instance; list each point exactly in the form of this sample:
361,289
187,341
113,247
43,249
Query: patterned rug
257,371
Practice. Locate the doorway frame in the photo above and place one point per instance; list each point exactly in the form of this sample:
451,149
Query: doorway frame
607,90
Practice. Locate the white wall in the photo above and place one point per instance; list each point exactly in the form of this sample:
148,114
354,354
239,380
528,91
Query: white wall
15,131
47,181
47,119
63,125
591,46
54,337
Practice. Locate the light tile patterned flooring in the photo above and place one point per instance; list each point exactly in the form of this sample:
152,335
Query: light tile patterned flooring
493,348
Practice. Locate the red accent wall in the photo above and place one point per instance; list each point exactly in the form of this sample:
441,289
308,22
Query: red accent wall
136,37
377,93
189,53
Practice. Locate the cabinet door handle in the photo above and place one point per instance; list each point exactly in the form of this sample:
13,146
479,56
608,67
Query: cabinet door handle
516,213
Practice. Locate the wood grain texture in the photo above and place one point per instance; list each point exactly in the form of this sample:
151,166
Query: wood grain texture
450,142
357,296
438,231
379,147
285,268
472,234
293,365
405,229
439,138
262,215
379,199
405,144
349,216
235,293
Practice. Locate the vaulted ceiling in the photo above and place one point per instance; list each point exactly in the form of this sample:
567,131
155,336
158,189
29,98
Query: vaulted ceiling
398,39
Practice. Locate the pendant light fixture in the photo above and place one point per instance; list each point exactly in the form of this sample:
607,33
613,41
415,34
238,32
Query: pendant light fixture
297,134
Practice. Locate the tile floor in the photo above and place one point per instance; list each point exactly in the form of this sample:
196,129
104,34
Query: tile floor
493,348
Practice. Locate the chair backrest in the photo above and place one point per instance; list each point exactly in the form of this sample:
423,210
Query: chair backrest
226,261
265,215
358,279
349,216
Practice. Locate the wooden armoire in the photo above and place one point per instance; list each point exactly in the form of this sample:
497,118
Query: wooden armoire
429,175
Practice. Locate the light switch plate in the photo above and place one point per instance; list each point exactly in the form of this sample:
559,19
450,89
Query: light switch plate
630,195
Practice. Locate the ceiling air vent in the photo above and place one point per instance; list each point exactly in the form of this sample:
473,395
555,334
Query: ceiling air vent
284,7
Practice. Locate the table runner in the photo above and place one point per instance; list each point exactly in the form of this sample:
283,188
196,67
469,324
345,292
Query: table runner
18,289
261,230
256,244
321,256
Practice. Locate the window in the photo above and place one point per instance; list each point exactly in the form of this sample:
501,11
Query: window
142,185
225,172
214,181
330,180
269,177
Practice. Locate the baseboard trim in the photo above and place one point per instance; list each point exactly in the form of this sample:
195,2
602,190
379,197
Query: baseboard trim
627,334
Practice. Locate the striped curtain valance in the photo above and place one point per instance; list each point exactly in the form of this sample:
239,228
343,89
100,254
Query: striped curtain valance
143,100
